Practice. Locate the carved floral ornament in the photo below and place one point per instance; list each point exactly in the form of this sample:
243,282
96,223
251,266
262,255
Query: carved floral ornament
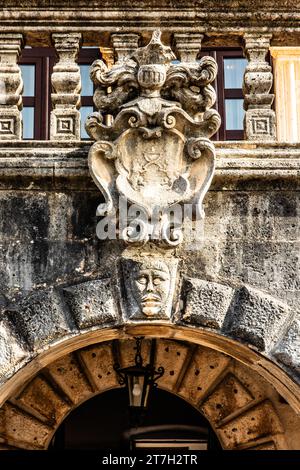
157,157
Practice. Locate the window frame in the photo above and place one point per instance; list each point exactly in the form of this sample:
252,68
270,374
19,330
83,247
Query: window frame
227,93
44,59
219,54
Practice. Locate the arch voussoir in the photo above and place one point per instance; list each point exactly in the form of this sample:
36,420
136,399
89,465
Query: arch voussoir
239,407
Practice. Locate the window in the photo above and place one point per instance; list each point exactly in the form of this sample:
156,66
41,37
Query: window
230,98
37,65
85,59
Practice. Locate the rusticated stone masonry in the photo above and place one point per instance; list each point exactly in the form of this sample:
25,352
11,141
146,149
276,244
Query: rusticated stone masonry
44,317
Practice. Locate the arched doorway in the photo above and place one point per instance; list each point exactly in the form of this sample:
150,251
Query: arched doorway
103,422
242,407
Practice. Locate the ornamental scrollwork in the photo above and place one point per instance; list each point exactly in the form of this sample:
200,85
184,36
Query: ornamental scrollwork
156,150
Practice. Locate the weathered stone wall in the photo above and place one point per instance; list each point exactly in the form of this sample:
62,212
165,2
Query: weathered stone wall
244,278
48,221
251,235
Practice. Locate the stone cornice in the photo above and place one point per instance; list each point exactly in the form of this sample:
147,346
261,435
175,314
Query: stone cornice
146,15
28,165
177,4
242,6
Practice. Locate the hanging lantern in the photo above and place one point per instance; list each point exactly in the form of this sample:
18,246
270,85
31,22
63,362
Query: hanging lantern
139,379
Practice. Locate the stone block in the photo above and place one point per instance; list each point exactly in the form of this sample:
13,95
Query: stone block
13,352
265,265
24,218
257,318
166,352
205,368
259,421
92,303
287,350
127,352
13,422
99,365
41,318
65,124
70,377
10,124
228,396
206,302
41,399
260,124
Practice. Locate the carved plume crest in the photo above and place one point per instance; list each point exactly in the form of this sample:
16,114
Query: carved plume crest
157,152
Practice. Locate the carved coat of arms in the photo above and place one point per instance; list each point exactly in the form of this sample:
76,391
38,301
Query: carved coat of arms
156,152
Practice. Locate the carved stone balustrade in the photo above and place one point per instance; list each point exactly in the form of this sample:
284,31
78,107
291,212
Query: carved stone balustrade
258,80
66,83
11,86
260,121
187,45
124,44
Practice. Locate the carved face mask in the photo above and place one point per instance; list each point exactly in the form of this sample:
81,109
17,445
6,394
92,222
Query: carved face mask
151,288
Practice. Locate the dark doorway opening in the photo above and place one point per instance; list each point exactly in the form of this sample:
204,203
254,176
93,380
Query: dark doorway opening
102,423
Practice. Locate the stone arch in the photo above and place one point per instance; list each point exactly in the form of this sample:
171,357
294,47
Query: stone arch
246,325
243,408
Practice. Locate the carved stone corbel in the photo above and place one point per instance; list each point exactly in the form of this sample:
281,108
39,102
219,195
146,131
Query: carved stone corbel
258,79
66,83
11,85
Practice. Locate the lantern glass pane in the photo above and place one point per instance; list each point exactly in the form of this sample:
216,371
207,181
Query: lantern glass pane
135,387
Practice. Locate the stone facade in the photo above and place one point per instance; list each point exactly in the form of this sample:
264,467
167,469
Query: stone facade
224,310
244,296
